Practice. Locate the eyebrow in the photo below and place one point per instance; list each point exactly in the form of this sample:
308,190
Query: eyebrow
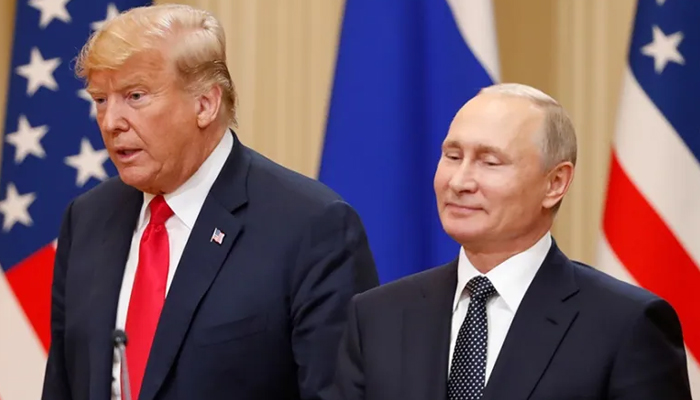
450,143
482,148
479,148
132,81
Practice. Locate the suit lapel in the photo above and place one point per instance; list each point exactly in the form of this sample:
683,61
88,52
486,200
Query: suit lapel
109,260
426,336
199,265
540,324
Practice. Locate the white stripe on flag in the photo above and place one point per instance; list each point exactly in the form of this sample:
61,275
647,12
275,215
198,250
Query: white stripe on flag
475,20
660,165
614,267
22,356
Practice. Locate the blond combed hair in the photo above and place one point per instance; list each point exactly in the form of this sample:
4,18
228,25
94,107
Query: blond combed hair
191,38
559,135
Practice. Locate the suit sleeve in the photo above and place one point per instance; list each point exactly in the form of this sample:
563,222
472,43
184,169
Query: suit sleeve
334,264
651,363
349,381
56,385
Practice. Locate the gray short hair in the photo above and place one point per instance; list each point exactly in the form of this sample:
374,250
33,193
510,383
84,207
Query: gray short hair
559,140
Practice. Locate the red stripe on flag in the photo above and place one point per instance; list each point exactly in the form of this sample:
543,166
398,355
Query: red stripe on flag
651,253
31,280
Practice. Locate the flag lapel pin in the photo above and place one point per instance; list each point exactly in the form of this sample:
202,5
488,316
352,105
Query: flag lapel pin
217,237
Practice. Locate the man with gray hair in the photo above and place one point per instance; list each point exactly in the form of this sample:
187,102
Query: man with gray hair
227,275
511,317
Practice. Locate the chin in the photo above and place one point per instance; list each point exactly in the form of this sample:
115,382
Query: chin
467,237
464,232
134,179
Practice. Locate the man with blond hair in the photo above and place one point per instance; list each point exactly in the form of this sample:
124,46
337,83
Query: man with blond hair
511,317
229,274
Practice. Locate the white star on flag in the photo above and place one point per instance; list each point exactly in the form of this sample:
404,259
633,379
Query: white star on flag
39,72
664,49
15,208
27,139
89,163
112,12
83,94
660,2
51,9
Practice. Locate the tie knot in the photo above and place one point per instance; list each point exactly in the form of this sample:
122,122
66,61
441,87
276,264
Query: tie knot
480,288
160,211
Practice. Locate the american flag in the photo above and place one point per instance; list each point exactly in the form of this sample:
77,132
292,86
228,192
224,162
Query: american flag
52,152
217,236
651,223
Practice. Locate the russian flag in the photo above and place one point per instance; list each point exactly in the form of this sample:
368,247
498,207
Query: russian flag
404,69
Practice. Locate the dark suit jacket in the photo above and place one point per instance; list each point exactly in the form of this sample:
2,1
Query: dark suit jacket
258,317
577,334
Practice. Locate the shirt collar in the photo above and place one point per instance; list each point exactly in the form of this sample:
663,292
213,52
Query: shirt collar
187,200
511,278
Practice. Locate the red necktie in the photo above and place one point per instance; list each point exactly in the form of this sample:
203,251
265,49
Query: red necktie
148,293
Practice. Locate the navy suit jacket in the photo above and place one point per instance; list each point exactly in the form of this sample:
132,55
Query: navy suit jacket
577,334
257,317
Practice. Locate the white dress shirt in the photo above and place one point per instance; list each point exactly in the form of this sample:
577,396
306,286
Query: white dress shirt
186,203
511,279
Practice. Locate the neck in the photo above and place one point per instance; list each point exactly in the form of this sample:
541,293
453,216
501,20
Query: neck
487,256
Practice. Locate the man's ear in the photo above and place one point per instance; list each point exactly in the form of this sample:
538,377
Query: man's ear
559,180
207,106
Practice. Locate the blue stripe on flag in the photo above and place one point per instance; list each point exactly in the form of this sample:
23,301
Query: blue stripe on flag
403,71
675,88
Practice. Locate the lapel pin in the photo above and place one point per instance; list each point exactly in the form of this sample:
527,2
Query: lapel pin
217,236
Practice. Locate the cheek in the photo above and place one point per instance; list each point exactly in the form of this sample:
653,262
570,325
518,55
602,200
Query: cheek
502,191
158,134
438,181
443,174
518,198
495,180
105,137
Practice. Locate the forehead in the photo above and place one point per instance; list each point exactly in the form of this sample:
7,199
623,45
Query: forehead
496,120
148,68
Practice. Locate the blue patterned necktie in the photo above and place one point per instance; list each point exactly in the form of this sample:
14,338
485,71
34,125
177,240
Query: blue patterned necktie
468,371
